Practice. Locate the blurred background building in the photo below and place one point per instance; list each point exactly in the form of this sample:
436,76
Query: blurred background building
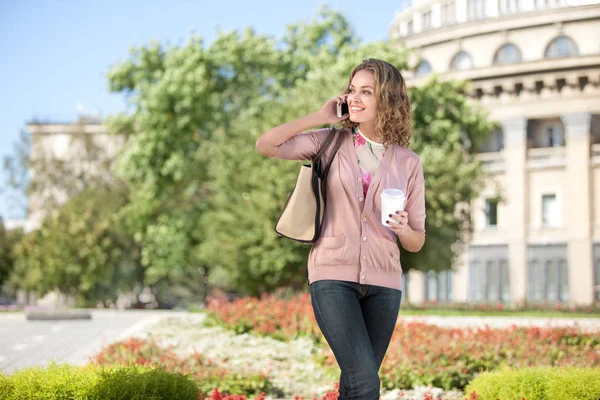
79,153
535,66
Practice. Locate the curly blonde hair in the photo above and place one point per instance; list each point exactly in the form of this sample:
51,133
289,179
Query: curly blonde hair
393,125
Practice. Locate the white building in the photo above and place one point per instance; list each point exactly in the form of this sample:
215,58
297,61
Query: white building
65,159
535,65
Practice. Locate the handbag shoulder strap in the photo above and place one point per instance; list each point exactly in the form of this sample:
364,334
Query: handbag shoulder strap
338,143
318,160
325,145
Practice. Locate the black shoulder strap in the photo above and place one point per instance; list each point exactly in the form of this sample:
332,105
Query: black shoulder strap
318,160
325,145
338,143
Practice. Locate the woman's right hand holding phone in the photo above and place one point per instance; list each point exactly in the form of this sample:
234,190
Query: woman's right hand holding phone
269,141
329,110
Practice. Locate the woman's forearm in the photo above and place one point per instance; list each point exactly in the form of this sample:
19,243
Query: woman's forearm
412,240
268,143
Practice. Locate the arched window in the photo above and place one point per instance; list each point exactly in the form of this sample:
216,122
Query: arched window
562,46
423,68
507,54
461,61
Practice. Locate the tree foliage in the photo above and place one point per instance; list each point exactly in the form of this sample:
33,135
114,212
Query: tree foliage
80,249
204,202
8,242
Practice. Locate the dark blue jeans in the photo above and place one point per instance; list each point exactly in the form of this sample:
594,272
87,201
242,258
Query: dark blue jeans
358,322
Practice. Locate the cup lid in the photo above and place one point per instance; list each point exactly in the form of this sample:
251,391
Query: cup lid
398,193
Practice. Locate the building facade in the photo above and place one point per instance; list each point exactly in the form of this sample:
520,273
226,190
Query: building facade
65,158
535,66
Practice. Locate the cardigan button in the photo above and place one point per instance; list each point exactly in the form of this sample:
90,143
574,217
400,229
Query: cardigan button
360,199
359,179
364,238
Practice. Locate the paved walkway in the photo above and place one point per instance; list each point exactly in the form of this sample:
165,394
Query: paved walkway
26,343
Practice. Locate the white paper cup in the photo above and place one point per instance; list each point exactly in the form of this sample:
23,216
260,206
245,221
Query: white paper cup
392,200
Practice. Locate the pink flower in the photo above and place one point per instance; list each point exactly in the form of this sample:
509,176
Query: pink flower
366,178
359,140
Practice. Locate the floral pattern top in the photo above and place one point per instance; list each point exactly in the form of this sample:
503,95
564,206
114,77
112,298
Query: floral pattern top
369,154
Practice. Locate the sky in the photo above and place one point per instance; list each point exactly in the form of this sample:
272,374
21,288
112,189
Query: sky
56,53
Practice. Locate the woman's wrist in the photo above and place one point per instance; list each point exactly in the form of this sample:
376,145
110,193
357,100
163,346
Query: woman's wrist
317,118
411,240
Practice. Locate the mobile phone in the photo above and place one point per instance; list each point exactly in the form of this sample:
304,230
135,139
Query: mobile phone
342,109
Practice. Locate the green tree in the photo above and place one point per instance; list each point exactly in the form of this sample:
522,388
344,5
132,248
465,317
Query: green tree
15,176
48,178
205,200
8,241
81,249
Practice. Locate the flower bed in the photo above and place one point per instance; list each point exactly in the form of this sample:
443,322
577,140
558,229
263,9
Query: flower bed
272,315
421,354
289,365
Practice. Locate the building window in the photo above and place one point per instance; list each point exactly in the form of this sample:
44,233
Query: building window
551,280
475,9
423,68
562,46
426,20
555,136
495,142
548,274
489,274
448,13
508,6
490,282
563,281
431,286
507,54
438,286
491,213
504,281
498,140
550,211
535,278
461,61
597,272
476,280
410,28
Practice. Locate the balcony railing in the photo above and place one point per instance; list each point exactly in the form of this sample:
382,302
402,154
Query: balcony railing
492,161
546,157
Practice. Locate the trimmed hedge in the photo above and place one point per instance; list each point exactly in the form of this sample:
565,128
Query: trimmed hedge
567,383
65,382
206,373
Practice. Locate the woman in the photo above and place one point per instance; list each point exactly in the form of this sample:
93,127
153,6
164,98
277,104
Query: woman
354,268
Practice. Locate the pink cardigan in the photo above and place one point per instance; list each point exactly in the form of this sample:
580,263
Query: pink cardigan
354,246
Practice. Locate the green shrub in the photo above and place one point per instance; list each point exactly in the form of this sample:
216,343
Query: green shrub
567,383
206,373
65,382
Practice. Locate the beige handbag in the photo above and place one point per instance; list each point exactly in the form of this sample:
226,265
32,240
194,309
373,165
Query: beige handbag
302,215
